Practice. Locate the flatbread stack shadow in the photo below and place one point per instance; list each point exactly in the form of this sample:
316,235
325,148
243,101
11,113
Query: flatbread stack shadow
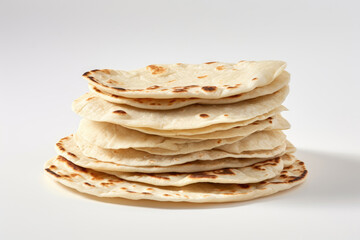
208,132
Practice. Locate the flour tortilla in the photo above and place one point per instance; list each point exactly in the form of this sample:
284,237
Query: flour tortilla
192,117
132,157
210,132
210,81
68,149
263,140
251,174
165,104
105,185
112,136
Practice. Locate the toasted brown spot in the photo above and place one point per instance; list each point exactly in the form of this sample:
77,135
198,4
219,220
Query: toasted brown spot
301,163
72,165
156,69
219,141
88,99
119,88
172,81
225,171
51,172
254,79
244,185
202,76
294,179
150,189
179,90
112,81
130,191
123,188
167,195
270,121
153,87
120,112
190,86
88,184
71,154
210,62
204,115
146,193
60,146
53,167
283,176
202,175
74,175
209,88
235,96
220,68
226,115
96,89
107,71
106,184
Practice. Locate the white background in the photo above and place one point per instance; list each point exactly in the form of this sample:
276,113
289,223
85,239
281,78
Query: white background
45,46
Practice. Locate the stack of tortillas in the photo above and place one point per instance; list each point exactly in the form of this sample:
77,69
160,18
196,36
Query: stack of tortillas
207,132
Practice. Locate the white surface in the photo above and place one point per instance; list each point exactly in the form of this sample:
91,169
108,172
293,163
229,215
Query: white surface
45,46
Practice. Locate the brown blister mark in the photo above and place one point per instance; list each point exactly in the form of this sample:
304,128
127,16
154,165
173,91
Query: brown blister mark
255,123
74,175
283,176
202,175
106,184
114,180
226,115
225,171
96,89
107,71
88,99
155,69
153,87
220,68
159,177
72,165
120,112
179,90
146,193
149,189
71,154
235,96
53,167
254,79
202,76
172,81
115,96
204,115
130,191
210,62
235,86
270,121
219,141
244,186
119,88
190,86
88,184
209,88
301,163
123,188
111,81
52,173
167,195
177,194
60,146
294,179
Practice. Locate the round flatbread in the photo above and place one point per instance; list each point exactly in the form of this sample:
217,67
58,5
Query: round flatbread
208,80
106,185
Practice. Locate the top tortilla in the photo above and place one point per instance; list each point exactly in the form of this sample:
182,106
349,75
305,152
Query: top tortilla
212,80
